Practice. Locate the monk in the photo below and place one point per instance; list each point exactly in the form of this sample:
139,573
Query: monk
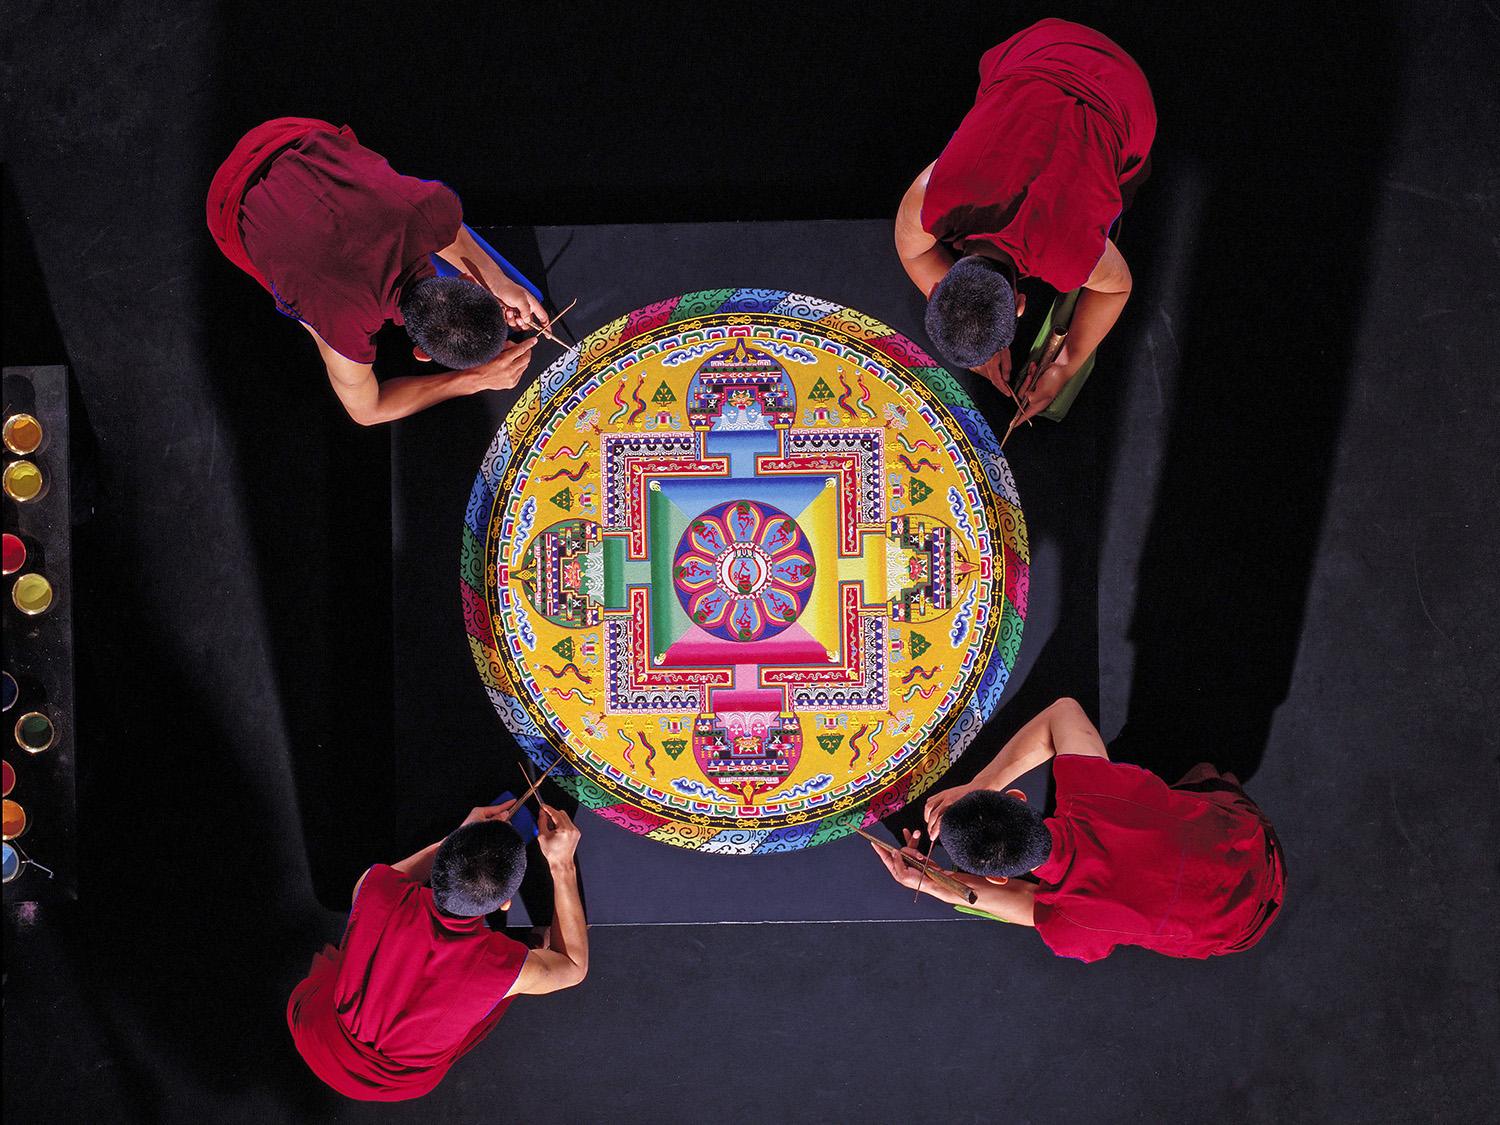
418,979
1188,870
342,242
1029,186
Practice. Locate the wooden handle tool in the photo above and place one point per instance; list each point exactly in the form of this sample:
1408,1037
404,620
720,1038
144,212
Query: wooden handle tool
936,874
535,785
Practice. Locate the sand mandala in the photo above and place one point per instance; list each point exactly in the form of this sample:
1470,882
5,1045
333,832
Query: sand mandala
752,563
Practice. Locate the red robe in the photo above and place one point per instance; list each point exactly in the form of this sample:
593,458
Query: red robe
329,228
1062,124
408,992
227,190
1190,870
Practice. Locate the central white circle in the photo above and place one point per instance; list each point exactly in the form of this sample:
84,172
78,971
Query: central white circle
744,570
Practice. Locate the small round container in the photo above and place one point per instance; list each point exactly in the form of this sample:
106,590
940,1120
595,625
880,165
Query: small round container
11,689
32,594
15,553
24,482
14,818
17,861
10,779
34,732
23,434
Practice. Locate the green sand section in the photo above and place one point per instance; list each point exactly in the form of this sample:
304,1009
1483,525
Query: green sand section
622,572
668,620
1011,625
585,792
699,303
471,561
840,824
941,382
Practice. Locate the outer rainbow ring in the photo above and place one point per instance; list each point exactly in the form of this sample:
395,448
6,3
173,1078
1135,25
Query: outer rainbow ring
914,364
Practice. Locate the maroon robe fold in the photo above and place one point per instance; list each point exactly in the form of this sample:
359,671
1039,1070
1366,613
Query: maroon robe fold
408,992
1062,124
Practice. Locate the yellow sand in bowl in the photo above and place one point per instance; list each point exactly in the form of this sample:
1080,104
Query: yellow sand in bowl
23,481
32,594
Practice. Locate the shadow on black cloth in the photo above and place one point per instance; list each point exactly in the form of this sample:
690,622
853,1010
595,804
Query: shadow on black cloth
315,490
29,334
210,950
1292,140
28,326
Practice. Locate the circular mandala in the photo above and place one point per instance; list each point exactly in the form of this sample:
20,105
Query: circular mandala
743,570
751,564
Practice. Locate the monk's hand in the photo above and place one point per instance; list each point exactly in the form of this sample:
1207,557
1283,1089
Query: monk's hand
505,370
937,804
501,811
1039,391
908,874
522,310
899,869
997,370
557,836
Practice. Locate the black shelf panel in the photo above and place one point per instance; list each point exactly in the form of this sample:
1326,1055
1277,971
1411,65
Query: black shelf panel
39,650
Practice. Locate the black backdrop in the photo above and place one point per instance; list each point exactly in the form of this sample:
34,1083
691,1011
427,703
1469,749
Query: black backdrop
1297,574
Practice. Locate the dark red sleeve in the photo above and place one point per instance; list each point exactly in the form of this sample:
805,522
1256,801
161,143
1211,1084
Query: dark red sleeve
439,205
1067,937
380,889
507,956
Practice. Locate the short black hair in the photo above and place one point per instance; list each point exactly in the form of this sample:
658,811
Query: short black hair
971,314
456,322
990,833
478,868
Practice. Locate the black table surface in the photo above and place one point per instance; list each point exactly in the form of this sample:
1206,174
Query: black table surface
451,748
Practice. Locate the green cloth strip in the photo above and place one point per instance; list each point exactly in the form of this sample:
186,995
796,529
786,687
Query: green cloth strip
1062,313
962,909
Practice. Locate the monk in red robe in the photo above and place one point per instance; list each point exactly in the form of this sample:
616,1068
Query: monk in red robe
342,242
1029,186
1189,870
419,979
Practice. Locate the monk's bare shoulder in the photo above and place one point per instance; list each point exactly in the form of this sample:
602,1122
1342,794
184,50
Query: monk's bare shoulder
1111,274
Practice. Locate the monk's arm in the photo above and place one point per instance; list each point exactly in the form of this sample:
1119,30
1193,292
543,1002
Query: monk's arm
1063,728
925,259
1015,900
370,402
467,255
565,960
1011,899
1100,303
418,865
